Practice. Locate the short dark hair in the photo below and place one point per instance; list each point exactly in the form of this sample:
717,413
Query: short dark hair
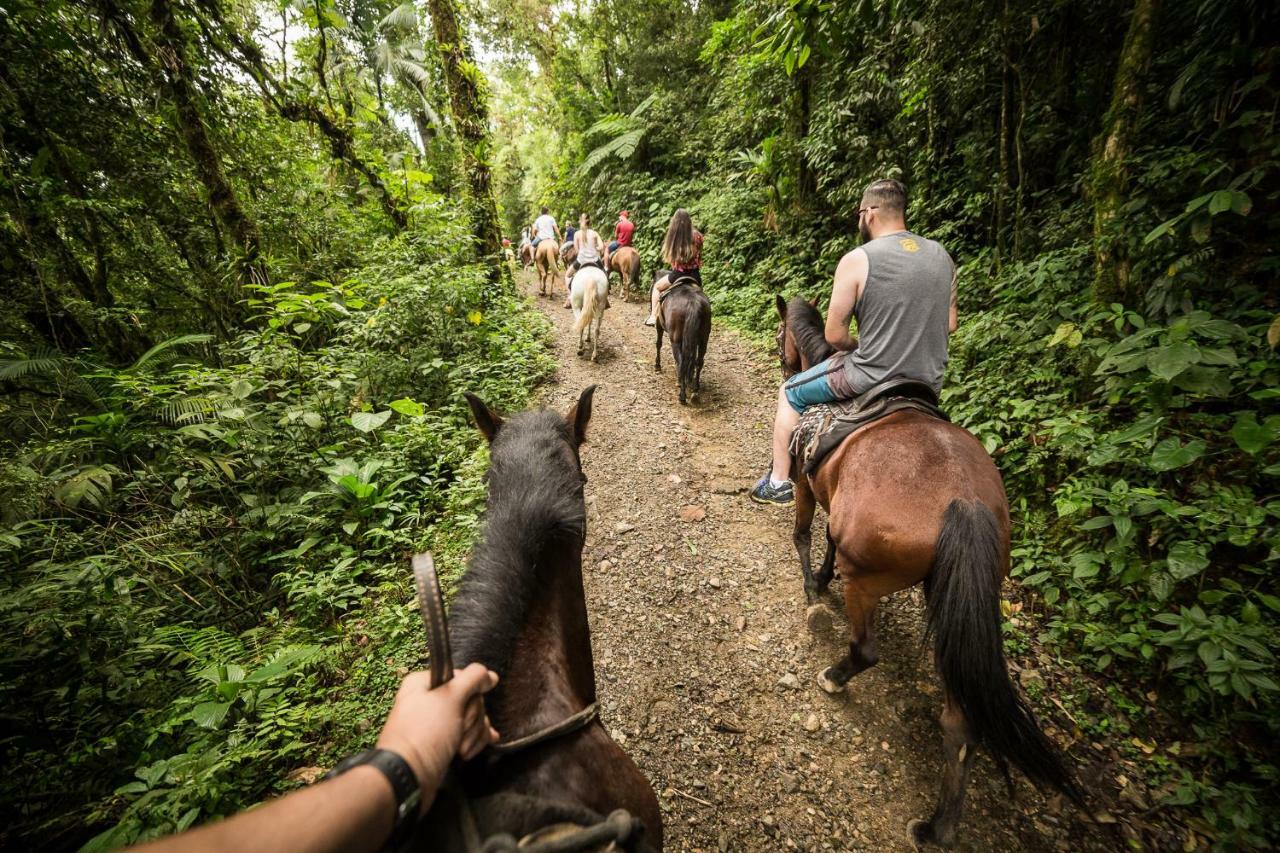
546,209
887,194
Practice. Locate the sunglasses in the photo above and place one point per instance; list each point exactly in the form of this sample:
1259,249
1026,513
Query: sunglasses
863,210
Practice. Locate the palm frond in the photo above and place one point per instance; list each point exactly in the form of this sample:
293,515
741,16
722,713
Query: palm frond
403,17
40,363
180,340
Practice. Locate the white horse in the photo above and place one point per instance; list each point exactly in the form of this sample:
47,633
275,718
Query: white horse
589,296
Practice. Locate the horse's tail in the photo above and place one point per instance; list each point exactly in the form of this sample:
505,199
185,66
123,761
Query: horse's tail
589,302
690,336
963,618
635,270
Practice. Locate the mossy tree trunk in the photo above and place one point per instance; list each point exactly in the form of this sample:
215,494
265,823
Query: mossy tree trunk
470,113
1109,177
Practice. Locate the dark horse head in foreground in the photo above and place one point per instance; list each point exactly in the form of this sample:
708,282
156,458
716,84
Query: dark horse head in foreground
913,498
521,611
685,315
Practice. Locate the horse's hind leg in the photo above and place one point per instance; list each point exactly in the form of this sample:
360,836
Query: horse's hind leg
657,358
958,748
595,338
828,570
860,606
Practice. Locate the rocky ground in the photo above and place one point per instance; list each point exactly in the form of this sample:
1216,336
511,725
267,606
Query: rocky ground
706,672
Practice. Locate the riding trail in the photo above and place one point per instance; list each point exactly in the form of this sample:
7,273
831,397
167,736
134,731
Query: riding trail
707,674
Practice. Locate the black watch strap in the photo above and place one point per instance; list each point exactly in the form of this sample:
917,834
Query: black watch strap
404,783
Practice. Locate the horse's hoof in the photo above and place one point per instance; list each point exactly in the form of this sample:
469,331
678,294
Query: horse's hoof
828,685
920,834
818,618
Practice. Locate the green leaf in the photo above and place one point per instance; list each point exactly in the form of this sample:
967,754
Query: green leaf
1171,453
407,407
1187,559
369,421
209,715
1251,436
241,388
1161,586
313,420
1170,360
1273,332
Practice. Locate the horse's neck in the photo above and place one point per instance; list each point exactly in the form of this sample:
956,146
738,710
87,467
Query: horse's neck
551,675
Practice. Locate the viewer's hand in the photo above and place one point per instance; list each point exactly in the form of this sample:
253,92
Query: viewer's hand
428,727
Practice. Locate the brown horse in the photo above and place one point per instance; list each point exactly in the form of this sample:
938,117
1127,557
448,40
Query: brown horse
912,498
546,256
685,315
521,611
626,263
526,255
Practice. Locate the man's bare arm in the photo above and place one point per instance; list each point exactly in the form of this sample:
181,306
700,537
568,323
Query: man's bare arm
850,274
953,319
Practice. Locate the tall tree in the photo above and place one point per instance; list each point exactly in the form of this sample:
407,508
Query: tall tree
471,117
1109,178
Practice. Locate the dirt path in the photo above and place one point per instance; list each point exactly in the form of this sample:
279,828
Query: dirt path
706,673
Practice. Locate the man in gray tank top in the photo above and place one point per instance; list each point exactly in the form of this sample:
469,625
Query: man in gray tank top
901,288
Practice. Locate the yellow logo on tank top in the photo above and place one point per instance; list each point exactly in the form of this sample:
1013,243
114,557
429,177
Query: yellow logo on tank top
909,245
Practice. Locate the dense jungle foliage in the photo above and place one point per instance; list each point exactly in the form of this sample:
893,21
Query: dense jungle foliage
249,254
242,302
1105,176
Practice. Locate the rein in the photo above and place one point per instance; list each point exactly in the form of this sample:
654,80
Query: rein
431,604
620,827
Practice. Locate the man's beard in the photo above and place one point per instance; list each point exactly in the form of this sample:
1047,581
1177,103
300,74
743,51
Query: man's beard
864,232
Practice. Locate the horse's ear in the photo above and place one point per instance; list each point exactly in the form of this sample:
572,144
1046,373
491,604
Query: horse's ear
781,305
814,302
580,413
487,420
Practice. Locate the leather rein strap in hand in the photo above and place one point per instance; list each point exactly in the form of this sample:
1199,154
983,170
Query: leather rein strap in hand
431,603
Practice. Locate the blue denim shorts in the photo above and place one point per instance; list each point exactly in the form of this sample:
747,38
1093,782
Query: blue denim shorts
825,382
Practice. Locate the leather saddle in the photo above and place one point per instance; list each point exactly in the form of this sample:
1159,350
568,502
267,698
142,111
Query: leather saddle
825,427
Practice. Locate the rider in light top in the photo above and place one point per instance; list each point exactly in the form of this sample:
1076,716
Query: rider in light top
901,288
545,228
622,232
589,245
682,249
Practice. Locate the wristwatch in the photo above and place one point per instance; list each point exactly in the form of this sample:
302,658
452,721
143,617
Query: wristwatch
404,783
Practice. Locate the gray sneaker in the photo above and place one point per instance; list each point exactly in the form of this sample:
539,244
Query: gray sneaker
767,493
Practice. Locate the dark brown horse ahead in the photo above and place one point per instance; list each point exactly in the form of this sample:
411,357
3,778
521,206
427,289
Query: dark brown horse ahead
521,612
912,498
685,315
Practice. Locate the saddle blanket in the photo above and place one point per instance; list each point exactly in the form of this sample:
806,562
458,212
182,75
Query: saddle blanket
824,427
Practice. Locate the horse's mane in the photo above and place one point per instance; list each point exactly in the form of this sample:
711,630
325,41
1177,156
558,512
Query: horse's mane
535,501
808,330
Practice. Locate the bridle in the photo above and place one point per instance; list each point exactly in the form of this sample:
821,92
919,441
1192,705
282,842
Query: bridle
781,341
620,827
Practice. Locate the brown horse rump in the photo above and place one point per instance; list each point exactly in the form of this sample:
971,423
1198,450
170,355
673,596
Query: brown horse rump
824,427
686,281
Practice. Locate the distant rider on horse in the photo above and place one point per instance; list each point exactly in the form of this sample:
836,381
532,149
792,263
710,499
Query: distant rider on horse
590,246
545,228
682,251
622,231
901,288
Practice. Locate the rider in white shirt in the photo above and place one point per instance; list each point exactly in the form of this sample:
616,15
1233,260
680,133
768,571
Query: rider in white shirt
545,228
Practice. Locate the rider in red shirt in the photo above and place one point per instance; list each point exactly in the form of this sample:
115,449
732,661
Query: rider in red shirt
621,236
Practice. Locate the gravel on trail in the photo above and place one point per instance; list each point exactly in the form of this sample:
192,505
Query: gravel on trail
707,675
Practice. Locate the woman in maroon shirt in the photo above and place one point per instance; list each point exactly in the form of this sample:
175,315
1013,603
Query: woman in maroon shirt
682,251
